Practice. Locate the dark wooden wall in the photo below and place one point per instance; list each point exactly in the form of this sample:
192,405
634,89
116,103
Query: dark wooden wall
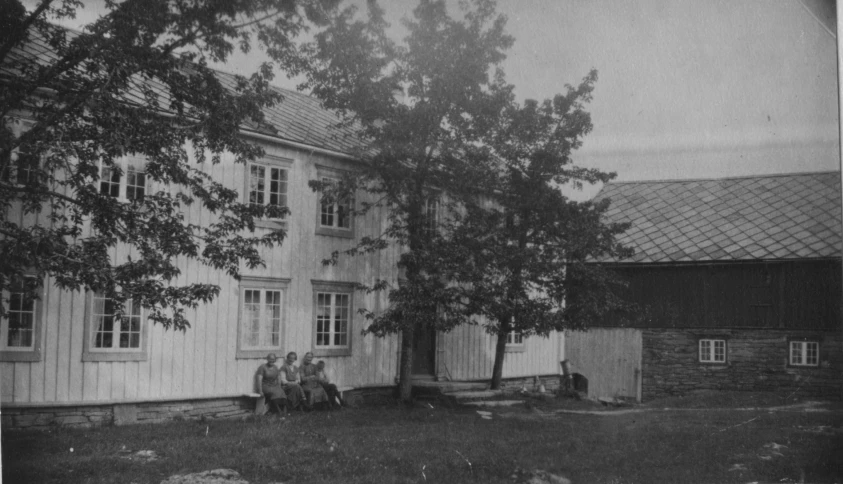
786,295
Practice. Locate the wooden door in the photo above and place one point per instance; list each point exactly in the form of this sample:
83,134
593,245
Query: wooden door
610,358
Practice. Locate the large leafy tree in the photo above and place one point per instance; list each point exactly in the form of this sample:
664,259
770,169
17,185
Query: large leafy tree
423,148
134,83
528,261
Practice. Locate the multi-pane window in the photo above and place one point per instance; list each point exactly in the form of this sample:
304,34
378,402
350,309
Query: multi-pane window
21,168
712,350
335,213
514,338
128,185
261,319
430,216
267,185
112,330
18,325
804,353
333,313
262,314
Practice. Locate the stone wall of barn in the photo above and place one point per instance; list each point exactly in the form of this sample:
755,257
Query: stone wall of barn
757,360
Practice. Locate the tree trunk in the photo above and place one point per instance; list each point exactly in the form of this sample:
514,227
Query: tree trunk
497,369
405,375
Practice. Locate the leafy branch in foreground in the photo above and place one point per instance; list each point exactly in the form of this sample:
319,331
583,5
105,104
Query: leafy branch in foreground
108,138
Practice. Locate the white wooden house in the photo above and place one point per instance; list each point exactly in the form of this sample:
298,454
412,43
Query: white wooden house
62,361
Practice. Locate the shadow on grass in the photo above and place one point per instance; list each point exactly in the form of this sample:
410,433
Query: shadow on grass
416,445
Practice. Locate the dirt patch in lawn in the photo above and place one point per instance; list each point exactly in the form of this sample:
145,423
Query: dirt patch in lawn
711,400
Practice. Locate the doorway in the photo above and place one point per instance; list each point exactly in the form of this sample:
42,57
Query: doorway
424,352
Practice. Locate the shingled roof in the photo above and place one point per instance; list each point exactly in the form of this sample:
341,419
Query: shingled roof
298,118
775,217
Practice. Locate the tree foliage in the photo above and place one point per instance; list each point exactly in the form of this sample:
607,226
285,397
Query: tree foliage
135,83
529,264
423,147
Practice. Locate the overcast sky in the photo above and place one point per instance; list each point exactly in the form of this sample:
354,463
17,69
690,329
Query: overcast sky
686,88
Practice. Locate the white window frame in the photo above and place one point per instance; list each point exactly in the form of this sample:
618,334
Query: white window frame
803,353
332,290
126,165
91,352
31,352
12,175
269,163
263,285
430,216
707,351
515,342
328,175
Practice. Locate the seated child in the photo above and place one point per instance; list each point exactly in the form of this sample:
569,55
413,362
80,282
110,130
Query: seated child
334,398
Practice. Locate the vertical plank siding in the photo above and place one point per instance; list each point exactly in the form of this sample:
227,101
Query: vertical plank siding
609,358
202,361
469,354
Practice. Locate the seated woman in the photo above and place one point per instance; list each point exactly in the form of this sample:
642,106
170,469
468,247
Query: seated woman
269,385
313,391
334,398
291,381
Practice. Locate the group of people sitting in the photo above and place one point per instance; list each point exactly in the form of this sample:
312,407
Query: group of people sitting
289,387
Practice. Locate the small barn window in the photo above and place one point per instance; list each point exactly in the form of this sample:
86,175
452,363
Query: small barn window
804,353
712,350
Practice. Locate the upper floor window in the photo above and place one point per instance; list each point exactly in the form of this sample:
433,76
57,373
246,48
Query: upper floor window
262,310
127,183
712,350
21,168
112,333
267,184
430,216
804,353
335,215
20,327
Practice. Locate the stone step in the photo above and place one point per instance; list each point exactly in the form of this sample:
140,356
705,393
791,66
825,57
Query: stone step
442,387
473,395
494,403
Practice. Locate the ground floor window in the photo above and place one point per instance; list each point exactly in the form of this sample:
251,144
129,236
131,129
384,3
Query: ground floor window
262,316
332,314
514,341
114,332
804,353
20,325
712,350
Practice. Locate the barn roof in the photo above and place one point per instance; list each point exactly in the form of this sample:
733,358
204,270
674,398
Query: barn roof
773,217
298,118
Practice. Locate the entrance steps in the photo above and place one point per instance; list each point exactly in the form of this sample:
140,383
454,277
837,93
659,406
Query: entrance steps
460,393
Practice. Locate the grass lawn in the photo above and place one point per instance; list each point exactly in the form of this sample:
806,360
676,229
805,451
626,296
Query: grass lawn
423,444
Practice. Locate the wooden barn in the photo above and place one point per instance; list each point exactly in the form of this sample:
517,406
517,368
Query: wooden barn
61,364
739,285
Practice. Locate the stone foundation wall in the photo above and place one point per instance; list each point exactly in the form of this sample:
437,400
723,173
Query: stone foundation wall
551,383
757,360
122,414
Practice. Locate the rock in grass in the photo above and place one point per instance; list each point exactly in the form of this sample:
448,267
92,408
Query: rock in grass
216,476
537,476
